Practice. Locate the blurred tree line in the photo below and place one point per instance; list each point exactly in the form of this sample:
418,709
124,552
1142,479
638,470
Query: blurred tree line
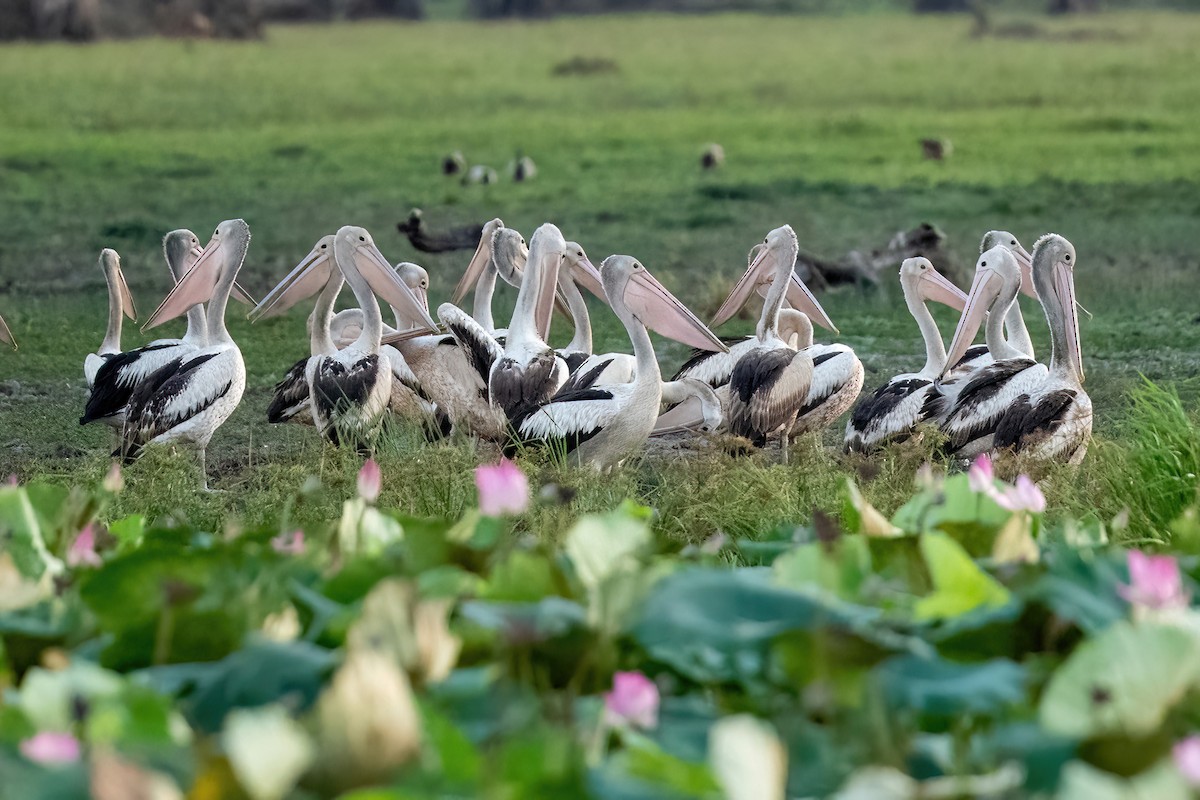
89,19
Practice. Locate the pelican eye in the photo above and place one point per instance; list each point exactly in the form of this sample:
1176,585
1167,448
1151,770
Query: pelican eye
983,263
580,254
1068,256
922,266
362,238
1014,241
324,246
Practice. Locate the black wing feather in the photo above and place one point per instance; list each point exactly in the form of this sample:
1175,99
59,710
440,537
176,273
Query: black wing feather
147,417
114,384
1025,418
568,442
291,394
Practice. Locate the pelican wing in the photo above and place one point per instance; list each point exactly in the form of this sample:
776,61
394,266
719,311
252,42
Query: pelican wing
1029,420
712,367
121,374
515,387
169,397
891,411
973,411
339,386
480,347
601,370
768,388
290,401
568,421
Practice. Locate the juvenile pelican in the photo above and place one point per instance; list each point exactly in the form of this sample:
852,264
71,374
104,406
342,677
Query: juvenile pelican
604,425
770,385
1053,421
903,402
6,335
190,397
120,304
970,408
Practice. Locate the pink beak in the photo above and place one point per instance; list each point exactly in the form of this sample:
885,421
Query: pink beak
661,311
984,290
6,335
195,287
936,287
305,280
479,262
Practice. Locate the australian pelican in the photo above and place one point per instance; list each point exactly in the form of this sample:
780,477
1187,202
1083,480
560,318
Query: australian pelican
120,305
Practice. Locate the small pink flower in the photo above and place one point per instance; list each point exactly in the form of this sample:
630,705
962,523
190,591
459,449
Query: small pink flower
114,481
12,480
1186,754
51,748
82,551
980,476
369,479
632,701
503,489
1154,583
289,544
1024,496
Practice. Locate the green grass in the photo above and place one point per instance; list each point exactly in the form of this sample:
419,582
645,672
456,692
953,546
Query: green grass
1089,130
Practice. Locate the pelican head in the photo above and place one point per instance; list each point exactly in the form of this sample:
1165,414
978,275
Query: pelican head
355,251
220,261
997,281
921,280
774,259
110,262
1024,260
479,261
1054,275
417,279
182,250
630,285
305,280
510,253
582,271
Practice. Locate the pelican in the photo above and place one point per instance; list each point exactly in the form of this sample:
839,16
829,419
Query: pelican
119,376
347,324
348,388
190,397
1054,419
120,305
903,402
1014,322
6,335
603,425
694,407
969,408
770,385
587,369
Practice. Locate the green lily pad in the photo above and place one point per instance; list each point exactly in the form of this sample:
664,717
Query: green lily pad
943,688
959,584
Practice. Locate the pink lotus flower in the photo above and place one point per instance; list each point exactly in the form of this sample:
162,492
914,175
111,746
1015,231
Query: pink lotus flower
114,481
632,701
50,748
289,544
1024,496
980,476
503,489
1186,754
369,480
1154,583
82,551
12,480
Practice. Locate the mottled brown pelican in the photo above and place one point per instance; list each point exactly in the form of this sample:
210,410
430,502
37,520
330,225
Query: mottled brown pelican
970,408
1053,421
6,334
902,403
190,397
604,425
120,305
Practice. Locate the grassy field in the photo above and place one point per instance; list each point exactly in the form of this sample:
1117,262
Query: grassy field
1088,128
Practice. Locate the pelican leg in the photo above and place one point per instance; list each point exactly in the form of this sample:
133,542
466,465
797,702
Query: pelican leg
783,447
204,474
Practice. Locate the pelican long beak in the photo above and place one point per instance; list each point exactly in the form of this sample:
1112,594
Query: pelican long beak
756,274
936,287
984,290
801,299
241,295
479,262
586,275
127,304
1064,286
660,311
6,335
195,287
1025,262
383,280
305,280
407,335
547,295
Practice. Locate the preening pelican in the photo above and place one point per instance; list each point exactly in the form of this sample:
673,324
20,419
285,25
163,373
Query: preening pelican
603,425
6,334
694,408
120,374
120,304
1053,421
190,397
902,403
969,408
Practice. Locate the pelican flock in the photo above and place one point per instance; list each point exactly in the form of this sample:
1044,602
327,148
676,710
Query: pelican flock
464,374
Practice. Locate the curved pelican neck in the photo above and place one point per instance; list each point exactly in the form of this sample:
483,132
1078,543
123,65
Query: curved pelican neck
481,307
1018,332
935,348
768,323
320,339
112,335
217,333
581,341
997,345
647,369
372,329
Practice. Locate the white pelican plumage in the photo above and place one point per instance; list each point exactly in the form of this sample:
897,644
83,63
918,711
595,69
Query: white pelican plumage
603,425
899,405
6,334
190,397
585,367
120,305
970,407
1053,421
120,374
347,324
693,406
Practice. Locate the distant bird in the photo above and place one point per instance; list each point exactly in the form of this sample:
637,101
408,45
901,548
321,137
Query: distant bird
454,164
120,304
480,174
936,149
6,334
522,168
713,156
420,237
